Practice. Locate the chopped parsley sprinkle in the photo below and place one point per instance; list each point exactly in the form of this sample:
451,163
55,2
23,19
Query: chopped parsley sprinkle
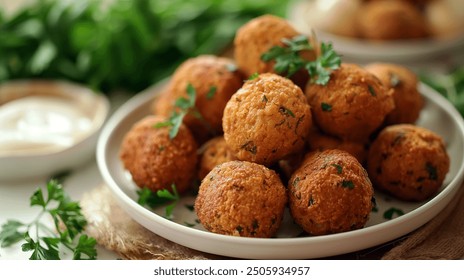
391,212
338,167
286,111
326,107
253,76
371,90
432,170
211,92
348,184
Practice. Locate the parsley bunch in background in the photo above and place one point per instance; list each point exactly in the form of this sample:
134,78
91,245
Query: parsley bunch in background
450,85
44,242
119,44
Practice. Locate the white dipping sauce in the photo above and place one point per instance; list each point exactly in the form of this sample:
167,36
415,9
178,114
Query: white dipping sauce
42,123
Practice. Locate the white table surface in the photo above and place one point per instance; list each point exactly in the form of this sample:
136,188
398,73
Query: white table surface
14,204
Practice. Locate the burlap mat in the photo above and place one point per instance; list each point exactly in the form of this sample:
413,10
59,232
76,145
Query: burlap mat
441,238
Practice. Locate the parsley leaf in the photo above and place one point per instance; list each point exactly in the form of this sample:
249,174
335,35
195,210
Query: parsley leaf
159,198
322,67
68,221
288,60
183,106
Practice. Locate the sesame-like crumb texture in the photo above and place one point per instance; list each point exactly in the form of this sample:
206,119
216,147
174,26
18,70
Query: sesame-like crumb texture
352,105
409,162
330,193
241,199
155,161
267,119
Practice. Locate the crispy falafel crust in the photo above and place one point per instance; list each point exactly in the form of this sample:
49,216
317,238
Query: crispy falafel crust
214,79
215,152
241,199
258,36
352,105
155,161
403,82
330,193
409,162
267,120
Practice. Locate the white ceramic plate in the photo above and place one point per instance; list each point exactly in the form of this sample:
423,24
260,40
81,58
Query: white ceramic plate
438,115
392,51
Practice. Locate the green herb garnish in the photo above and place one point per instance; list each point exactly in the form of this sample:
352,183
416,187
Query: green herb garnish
338,167
211,92
159,198
450,85
326,107
253,76
44,242
371,90
322,67
391,212
348,184
183,106
432,171
286,111
288,60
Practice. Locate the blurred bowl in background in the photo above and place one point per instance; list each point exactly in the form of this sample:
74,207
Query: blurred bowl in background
47,127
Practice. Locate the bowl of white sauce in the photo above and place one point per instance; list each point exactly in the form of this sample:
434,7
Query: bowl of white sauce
47,127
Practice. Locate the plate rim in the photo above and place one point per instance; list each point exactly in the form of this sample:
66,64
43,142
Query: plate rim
177,232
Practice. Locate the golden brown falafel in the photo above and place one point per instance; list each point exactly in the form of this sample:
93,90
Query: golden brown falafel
257,37
407,161
352,105
214,79
267,120
242,199
330,193
319,141
403,82
154,160
215,152
390,20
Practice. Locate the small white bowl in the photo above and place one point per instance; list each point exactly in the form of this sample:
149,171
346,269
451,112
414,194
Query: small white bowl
23,165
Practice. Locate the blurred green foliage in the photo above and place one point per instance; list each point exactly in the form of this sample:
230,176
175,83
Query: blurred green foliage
450,85
128,45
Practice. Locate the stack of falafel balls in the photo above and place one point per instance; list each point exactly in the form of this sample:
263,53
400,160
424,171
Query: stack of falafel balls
260,142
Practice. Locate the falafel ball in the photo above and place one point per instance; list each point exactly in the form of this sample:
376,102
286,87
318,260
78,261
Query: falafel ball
215,152
257,37
214,80
352,105
154,160
267,119
330,193
408,100
319,141
391,20
241,198
408,162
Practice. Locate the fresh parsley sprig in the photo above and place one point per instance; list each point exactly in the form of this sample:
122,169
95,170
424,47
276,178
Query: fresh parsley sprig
68,221
320,69
159,198
289,61
183,106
